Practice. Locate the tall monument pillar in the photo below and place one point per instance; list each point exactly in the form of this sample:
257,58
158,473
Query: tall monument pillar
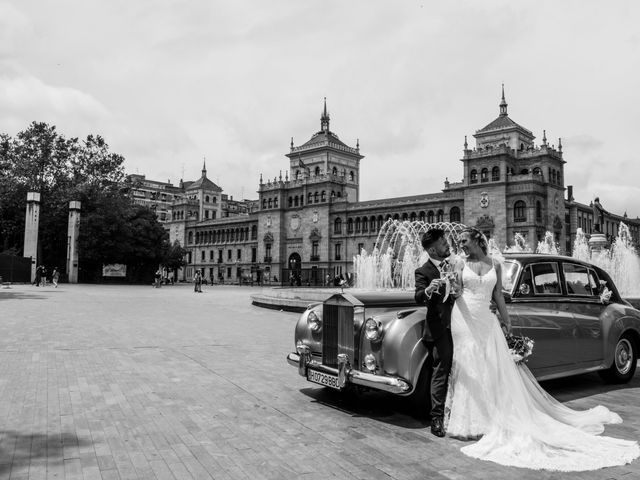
31,222
72,241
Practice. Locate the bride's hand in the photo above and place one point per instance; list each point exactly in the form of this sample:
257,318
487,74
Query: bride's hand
506,327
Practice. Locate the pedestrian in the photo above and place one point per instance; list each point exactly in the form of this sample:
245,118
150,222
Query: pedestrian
158,277
38,278
44,276
197,282
55,276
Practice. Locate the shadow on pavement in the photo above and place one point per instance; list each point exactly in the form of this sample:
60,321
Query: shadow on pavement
6,294
17,449
381,406
581,386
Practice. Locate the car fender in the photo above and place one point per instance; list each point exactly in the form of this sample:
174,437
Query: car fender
617,320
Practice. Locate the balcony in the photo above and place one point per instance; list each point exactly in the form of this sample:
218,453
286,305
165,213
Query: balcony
267,259
315,258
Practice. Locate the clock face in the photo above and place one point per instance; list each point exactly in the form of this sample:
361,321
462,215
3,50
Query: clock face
484,199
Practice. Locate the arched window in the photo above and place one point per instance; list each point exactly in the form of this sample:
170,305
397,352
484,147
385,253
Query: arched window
297,174
323,196
520,211
233,235
412,217
333,193
269,203
538,211
275,202
290,202
365,224
430,216
350,225
454,214
351,175
358,225
473,176
421,216
495,174
337,226
396,217
524,171
405,216
310,198
339,194
295,201
379,221
264,203
206,198
190,237
559,178
537,171
317,171
440,216
254,232
334,171
484,175
315,197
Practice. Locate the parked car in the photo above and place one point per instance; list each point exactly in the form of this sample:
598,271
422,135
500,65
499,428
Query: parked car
571,309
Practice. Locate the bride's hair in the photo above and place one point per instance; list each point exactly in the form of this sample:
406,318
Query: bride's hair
479,237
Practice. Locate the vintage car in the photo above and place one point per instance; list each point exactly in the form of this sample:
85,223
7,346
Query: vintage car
571,309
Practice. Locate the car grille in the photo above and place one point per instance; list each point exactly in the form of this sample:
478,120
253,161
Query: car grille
338,333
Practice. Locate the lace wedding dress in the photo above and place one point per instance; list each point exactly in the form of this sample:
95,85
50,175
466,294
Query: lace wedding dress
493,398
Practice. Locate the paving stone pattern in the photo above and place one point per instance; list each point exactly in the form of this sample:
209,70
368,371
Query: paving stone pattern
132,382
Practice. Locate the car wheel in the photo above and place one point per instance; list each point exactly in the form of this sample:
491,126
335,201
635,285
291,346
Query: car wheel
420,398
625,358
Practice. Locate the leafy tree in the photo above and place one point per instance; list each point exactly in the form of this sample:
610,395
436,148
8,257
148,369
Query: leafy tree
174,256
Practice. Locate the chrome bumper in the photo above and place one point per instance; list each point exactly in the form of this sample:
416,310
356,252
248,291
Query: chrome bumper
346,375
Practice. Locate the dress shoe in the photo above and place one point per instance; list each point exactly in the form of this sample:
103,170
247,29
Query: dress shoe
437,427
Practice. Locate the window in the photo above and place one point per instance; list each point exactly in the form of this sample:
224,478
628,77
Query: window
203,256
206,214
206,198
538,211
290,202
190,236
473,176
334,171
239,254
254,232
228,272
315,197
338,251
267,250
440,216
360,248
275,202
310,199
254,254
454,214
211,255
484,175
295,201
580,280
365,224
314,251
264,203
495,174
269,203
520,211
228,254
323,196
430,216
337,226
351,176
545,278
350,225
219,256
358,225
317,171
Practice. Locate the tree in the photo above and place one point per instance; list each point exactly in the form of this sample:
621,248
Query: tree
174,256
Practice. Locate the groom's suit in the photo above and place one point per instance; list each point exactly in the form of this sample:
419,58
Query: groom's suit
436,334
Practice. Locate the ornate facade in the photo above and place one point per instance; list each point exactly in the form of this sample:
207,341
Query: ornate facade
309,225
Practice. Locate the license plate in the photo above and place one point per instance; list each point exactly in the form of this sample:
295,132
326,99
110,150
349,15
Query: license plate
323,379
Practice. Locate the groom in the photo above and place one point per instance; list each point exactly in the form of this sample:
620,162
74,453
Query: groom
436,332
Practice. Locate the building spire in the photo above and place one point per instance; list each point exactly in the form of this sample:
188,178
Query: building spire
204,167
544,138
324,119
503,105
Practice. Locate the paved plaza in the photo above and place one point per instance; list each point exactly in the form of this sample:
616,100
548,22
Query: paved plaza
127,382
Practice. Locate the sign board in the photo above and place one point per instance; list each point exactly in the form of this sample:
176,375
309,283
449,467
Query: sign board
114,270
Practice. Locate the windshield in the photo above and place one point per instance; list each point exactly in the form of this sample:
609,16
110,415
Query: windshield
509,274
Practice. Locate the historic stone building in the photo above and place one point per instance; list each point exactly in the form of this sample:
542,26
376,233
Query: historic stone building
311,223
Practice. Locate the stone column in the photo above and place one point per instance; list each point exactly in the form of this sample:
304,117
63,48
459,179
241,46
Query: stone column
72,241
32,220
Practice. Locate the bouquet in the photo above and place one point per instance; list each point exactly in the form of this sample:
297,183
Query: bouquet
519,347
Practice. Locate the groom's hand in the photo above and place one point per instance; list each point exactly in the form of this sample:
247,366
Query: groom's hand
434,286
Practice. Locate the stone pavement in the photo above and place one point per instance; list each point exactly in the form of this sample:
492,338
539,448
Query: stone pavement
110,382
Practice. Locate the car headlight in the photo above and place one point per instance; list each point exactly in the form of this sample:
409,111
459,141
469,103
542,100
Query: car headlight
372,330
370,362
314,320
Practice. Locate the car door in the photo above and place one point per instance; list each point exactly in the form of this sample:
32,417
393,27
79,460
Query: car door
584,300
543,315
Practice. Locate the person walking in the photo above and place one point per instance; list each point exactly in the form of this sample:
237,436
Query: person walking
38,278
197,282
158,276
43,279
55,276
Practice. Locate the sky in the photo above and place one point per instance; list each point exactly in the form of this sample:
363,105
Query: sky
169,83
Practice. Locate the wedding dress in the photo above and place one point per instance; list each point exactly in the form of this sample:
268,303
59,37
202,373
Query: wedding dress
493,398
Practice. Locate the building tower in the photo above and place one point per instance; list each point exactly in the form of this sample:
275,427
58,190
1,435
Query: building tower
32,220
72,241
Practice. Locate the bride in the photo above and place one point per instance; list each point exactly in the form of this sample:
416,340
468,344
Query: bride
500,403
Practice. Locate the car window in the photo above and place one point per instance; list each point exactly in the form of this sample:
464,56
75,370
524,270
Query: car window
580,280
525,289
509,274
545,278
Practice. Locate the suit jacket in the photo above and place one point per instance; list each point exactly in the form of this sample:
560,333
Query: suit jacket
438,317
